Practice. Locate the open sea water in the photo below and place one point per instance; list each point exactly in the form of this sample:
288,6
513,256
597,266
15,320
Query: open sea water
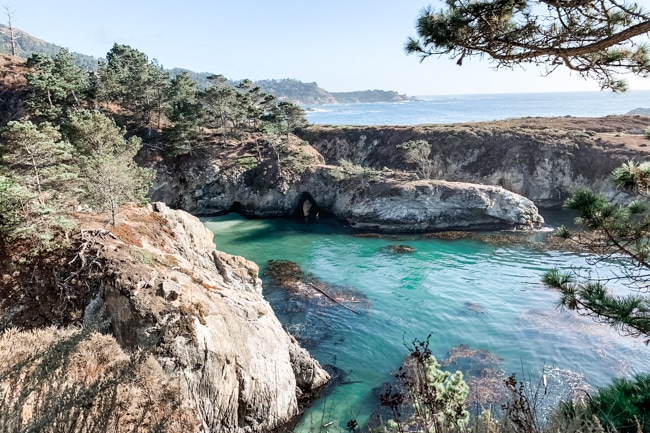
465,293
486,299
479,108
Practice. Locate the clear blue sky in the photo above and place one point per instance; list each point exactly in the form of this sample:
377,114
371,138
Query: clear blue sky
343,45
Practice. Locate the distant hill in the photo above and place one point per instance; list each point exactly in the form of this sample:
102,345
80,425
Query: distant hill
641,111
286,88
369,96
311,94
297,91
27,45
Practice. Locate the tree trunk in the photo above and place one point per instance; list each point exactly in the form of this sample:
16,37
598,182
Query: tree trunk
76,100
37,176
49,99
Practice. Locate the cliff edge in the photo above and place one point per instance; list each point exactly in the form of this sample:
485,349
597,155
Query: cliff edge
155,283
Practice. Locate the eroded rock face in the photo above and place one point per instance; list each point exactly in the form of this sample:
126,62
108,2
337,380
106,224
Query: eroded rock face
203,315
387,202
543,159
421,206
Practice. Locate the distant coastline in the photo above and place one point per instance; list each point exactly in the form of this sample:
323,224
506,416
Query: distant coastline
448,109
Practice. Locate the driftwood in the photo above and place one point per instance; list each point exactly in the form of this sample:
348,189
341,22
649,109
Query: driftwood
332,298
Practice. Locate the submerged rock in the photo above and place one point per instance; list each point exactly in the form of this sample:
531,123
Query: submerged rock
289,275
400,249
474,307
483,373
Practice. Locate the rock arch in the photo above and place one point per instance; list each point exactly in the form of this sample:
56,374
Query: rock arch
307,208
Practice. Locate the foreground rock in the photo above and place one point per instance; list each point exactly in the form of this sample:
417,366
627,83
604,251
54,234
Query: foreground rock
162,287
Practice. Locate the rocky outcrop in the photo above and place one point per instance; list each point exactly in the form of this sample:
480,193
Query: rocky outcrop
424,206
238,364
369,200
161,287
543,159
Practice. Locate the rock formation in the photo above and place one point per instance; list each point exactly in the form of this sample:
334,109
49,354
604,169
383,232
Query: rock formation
543,159
380,201
159,283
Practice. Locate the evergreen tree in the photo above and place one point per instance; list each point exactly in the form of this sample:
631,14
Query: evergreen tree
219,102
135,84
36,179
37,157
418,152
596,39
618,235
110,177
185,113
288,116
252,105
55,86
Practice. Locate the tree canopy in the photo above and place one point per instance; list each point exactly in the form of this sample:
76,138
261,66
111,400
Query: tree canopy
597,39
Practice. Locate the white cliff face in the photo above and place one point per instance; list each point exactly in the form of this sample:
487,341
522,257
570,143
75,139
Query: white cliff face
420,206
387,203
210,328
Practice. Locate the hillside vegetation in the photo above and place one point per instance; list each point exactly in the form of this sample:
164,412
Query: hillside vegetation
283,89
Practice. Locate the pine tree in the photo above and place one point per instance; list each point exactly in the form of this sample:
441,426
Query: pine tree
135,84
37,176
185,113
596,39
110,177
620,236
55,86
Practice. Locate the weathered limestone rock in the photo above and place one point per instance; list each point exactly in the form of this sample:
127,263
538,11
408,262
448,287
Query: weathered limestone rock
206,321
388,202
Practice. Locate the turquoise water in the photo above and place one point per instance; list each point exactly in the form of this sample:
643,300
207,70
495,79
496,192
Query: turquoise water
427,291
478,108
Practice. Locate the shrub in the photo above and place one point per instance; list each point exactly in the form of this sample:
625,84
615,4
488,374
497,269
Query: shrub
624,405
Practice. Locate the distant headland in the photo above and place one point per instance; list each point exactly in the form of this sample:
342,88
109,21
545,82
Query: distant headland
284,89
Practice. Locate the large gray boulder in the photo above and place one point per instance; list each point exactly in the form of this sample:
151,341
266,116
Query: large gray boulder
420,206
202,313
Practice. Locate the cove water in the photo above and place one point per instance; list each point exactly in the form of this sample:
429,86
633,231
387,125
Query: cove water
478,108
462,292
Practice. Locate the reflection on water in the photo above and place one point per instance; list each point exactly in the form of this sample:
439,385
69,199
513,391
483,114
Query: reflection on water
466,293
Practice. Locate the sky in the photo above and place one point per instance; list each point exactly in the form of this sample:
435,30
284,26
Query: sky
343,45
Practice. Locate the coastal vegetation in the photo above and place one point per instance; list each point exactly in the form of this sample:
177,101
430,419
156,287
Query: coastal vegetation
71,144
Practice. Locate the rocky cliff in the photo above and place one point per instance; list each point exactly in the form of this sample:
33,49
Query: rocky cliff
364,199
160,285
543,159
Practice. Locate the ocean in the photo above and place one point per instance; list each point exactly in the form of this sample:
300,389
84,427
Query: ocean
474,297
479,108
482,299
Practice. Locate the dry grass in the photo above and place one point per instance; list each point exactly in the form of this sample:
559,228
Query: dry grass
75,380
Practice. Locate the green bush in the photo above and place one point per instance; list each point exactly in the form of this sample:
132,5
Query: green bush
624,405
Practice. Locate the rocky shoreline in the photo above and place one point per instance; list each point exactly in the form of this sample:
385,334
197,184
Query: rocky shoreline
156,284
496,174
381,201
